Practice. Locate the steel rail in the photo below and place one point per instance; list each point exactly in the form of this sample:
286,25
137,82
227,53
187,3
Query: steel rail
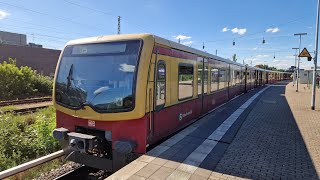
30,164
25,101
23,111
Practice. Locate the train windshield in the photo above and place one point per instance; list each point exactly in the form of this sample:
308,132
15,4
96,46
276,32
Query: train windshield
100,75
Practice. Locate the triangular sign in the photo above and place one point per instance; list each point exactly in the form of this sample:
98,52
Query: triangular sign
304,53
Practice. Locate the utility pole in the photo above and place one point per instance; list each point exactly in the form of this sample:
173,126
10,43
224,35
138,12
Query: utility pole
216,52
313,98
299,34
119,21
295,66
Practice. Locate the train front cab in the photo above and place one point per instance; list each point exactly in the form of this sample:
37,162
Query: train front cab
98,133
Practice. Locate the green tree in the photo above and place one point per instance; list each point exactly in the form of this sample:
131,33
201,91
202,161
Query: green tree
22,82
234,58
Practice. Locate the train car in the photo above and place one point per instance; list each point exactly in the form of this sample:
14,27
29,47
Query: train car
117,95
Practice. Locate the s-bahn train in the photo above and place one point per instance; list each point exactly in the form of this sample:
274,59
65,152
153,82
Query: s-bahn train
117,95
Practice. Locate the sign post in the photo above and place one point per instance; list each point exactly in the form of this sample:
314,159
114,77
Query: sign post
299,34
313,98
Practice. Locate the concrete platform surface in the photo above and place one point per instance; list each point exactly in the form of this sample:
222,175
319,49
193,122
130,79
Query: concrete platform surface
268,133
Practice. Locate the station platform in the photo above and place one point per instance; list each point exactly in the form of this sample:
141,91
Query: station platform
267,133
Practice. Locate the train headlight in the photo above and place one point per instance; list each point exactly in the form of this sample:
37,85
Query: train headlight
80,145
60,133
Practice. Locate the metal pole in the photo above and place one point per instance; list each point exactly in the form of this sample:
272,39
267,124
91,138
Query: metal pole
119,20
295,66
313,98
298,75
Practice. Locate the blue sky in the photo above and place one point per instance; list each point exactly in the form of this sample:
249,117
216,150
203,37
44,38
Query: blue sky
215,23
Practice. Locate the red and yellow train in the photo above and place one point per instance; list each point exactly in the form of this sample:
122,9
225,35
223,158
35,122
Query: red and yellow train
117,95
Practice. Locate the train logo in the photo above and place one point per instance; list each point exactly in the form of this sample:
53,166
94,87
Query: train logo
181,115
91,123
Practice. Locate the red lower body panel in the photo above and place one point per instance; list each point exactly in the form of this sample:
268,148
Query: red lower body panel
135,130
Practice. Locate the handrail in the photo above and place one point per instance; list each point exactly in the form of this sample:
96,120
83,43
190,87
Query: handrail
30,164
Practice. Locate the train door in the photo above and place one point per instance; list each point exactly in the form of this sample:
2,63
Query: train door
202,81
229,79
160,97
205,85
257,78
245,73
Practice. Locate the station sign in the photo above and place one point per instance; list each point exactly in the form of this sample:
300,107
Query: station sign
305,53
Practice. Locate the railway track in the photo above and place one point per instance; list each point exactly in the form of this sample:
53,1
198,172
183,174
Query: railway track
80,172
24,101
20,107
84,173
23,111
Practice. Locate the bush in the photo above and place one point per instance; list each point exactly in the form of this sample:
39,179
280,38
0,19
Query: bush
22,82
27,137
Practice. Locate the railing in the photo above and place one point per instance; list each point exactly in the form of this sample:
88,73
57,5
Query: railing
30,164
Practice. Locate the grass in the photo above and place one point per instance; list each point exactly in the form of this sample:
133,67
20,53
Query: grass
37,171
7,108
26,137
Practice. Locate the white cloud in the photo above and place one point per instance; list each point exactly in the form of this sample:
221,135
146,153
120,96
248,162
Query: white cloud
225,29
273,30
289,57
3,15
187,43
262,55
239,31
255,48
182,37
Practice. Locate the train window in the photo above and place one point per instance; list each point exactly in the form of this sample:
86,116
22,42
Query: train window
214,79
238,77
110,85
200,78
222,78
205,79
185,89
231,75
235,75
161,84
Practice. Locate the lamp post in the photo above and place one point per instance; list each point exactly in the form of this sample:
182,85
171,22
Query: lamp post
295,65
313,98
299,34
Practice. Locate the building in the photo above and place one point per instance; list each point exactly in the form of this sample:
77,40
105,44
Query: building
15,46
306,76
42,60
13,38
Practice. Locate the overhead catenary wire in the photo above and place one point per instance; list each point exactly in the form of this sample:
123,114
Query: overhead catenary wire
47,27
56,17
106,13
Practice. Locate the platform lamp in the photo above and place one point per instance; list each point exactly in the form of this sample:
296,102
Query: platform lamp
299,34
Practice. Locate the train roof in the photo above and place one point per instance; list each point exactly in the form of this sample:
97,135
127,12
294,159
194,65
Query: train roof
159,40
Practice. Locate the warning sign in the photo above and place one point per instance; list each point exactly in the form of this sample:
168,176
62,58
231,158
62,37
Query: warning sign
305,53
